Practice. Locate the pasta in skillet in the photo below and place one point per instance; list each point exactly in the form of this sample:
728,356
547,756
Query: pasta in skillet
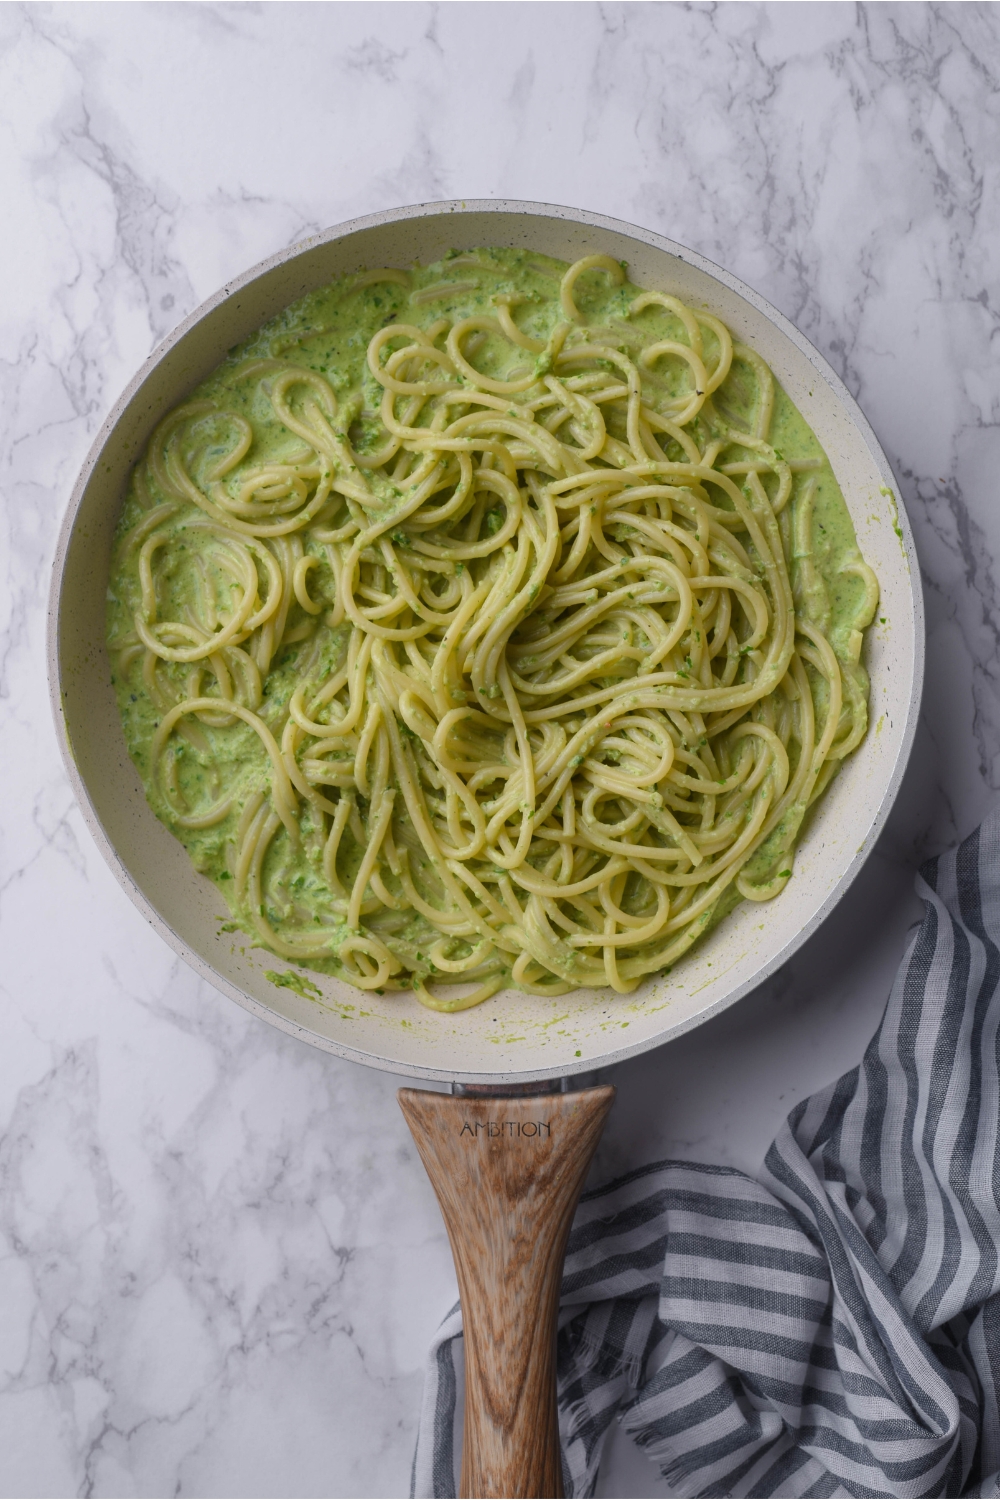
490,624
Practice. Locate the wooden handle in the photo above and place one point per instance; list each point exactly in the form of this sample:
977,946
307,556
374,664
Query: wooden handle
507,1174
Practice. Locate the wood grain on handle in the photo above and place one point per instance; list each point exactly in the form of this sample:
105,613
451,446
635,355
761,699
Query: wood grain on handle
507,1174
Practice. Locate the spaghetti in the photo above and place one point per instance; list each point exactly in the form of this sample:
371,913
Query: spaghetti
472,628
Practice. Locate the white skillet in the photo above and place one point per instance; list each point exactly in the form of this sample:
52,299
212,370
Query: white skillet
513,1036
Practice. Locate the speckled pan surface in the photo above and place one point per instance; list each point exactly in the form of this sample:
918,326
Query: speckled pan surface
512,1036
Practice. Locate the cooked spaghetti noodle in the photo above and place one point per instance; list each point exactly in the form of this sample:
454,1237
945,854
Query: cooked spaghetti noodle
472,629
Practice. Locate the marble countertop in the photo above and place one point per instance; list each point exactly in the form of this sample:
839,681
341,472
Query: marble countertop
221,1262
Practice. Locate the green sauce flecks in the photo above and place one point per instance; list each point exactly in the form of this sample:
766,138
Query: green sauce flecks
287,979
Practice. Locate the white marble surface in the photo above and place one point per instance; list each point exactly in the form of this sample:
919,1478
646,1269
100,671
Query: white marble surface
220,1263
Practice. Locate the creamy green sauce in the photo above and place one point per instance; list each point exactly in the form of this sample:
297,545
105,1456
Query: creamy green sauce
329,331
287,979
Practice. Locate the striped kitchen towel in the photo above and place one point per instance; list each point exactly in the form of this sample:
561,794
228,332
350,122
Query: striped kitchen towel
832,1328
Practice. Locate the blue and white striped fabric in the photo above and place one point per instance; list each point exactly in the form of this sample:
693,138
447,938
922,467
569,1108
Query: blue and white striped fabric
833,1328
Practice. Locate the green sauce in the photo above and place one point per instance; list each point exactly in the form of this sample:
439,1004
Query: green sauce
328,332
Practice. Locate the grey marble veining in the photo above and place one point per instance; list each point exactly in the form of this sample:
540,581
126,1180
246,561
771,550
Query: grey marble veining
220,1263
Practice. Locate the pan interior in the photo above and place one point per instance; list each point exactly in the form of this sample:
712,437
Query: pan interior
513,1035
